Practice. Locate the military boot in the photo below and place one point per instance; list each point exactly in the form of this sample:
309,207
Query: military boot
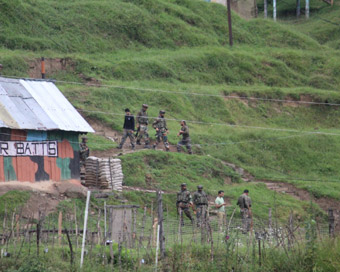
133,147
138,142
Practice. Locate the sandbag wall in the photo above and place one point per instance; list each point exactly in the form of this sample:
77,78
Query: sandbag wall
104,173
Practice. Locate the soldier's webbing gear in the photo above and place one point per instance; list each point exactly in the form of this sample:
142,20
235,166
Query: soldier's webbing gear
160,123
142,117
200,198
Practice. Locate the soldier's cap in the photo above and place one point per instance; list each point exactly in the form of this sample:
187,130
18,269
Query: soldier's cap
184,121
84,138
145,106
127,110
183,184
199,187
246,191
162,111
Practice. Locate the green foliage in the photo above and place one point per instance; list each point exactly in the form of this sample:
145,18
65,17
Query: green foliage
13,200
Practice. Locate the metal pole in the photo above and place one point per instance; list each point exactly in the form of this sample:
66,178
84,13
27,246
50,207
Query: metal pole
274,10
265,4
85,225
229,24
298,8
307,9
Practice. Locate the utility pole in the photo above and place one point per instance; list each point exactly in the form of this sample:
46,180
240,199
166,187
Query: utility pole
229,24
307,9
274,10
265,5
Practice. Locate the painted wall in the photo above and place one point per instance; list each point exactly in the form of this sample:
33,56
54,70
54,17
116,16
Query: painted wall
25,167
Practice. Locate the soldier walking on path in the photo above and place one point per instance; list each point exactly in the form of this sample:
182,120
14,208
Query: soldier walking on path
184,202
220,206
244,202
184,131
129,129
161,130
200,199
84,151
142,126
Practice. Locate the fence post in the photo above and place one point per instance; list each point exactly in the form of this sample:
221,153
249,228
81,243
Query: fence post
84,230
60,223
331,222
160,223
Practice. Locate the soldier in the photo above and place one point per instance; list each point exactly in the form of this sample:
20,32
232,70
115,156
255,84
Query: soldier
184,202
244,202
200,199
184,131
129,129
161,130
84,151
142,126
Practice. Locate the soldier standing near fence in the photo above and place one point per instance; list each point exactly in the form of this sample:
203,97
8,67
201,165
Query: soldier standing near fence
200,199
129,129
184,131
244,202
161,130
142,126
184,202
84,151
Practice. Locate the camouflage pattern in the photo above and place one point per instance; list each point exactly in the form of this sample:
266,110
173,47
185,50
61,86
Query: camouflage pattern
142,117
244,202
40,168
183,203
200,199
142,123
186,141
128,133
161,134
84,153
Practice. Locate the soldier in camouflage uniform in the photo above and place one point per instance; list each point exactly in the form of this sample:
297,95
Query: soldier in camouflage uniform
161,130
200,199
142,125
84,151
244,202
185,137
184,202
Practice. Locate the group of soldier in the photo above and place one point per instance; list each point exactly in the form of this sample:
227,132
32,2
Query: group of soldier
199,203
160,127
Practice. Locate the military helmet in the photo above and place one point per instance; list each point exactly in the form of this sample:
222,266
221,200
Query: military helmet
183,184
162,111
199,187
145,106
84,138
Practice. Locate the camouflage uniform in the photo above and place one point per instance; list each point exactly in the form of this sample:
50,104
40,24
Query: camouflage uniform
160,123
84,153
200,199
183,203
244,202
185,139
143,121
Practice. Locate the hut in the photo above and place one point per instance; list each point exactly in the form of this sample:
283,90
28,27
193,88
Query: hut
39,132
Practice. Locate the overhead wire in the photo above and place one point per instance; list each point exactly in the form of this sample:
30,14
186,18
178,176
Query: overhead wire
183,93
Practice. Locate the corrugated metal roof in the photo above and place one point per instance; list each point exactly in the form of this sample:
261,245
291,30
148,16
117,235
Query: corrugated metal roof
37,105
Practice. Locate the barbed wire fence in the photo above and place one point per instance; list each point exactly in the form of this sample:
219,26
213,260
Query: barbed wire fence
129,236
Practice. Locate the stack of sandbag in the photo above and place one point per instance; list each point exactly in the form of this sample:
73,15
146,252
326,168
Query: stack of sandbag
104,173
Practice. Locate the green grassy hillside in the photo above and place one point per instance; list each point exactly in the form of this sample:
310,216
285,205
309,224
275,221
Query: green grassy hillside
180,48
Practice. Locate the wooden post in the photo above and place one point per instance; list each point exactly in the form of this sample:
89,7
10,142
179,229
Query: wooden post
255,9
274,10
60,223
270,219
307,9
160,223
42,67
265,7
229,24
76,223
298,8
331,222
